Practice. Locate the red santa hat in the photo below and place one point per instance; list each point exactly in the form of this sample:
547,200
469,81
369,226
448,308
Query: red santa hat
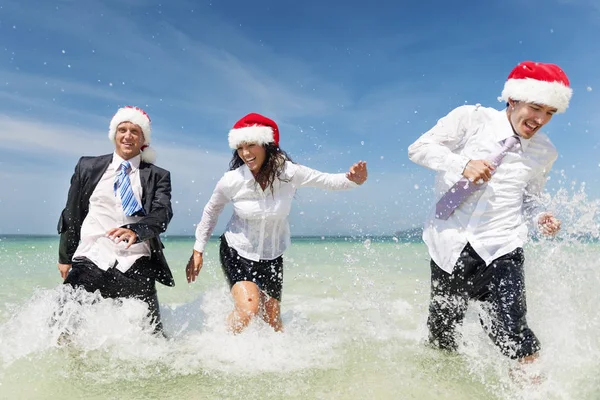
139,117
540,83
254,128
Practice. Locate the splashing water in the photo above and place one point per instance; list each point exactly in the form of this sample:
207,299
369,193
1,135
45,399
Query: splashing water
354,317
562,294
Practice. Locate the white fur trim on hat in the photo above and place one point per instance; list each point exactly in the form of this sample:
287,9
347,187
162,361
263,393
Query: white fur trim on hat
133,115
553,94
251,134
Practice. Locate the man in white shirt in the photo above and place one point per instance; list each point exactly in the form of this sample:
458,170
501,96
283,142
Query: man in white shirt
476,251
117,206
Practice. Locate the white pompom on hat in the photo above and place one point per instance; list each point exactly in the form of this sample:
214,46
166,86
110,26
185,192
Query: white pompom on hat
137,116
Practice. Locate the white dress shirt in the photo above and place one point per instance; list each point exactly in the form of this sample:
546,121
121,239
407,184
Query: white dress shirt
106,213
259,228
493,219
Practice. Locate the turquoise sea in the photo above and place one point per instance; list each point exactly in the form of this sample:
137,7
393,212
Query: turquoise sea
354,312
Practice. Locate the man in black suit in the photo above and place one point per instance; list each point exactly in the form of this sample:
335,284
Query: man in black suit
117,206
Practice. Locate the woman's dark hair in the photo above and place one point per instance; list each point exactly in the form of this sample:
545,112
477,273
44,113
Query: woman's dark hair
271,168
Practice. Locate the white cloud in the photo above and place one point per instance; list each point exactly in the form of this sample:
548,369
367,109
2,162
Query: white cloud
37,194
30,137
195,84
56,115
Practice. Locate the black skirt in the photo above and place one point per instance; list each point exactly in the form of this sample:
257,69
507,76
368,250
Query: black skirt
266,274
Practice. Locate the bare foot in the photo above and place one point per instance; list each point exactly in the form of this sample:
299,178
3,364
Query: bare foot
526,375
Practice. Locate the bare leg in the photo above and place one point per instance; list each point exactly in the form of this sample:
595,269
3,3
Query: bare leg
529,359
271,312
246,297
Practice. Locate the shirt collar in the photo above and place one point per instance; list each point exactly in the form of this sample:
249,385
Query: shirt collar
246,173
506,130
117,160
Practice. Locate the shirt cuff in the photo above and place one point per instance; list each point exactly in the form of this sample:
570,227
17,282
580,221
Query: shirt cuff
199,246
457,163
352,184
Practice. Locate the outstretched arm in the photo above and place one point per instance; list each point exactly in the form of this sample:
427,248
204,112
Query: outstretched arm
304,176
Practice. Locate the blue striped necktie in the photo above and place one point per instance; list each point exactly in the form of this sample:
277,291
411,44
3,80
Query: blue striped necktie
123,187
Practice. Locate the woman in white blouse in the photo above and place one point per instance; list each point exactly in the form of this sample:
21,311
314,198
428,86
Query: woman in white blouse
261,184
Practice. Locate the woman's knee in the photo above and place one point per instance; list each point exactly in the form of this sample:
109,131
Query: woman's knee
247,298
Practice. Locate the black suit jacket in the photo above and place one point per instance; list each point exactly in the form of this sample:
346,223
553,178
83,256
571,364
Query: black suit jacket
156,202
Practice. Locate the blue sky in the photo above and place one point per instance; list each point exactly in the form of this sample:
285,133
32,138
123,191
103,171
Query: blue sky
345,81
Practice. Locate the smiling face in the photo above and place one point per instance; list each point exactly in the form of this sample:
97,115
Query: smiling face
129,140
528,118
253,155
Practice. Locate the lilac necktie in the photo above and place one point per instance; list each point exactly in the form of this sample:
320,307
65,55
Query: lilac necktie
463,188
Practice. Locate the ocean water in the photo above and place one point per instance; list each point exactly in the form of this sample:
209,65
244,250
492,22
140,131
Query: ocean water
354,314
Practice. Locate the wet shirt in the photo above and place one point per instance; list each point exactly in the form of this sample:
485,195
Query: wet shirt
106,213
259,228
494,218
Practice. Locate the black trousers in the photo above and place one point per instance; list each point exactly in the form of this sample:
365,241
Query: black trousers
138,282
501,288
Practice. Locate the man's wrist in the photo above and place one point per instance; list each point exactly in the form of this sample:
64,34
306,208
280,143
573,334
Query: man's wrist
131,228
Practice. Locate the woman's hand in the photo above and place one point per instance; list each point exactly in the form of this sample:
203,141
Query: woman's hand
358,173
194,266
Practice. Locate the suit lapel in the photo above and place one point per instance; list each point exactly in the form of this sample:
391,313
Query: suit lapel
145,175
99,169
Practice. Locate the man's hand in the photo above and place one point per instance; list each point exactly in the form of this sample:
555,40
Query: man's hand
64,270
194,266
119,235
478,171
548,224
